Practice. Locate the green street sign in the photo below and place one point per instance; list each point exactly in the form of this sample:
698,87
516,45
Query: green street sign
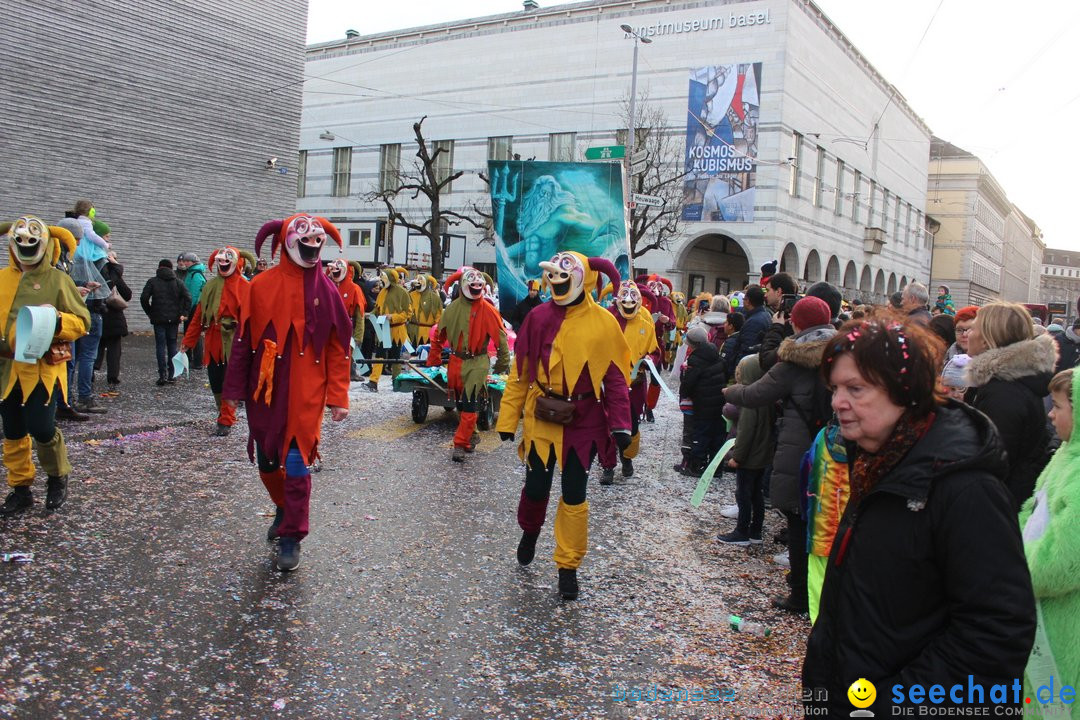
606,152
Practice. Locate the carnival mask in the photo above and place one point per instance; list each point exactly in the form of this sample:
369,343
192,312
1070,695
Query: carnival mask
337,270
472,283
226,261
384,281
304,239
565,273
30,237
628,300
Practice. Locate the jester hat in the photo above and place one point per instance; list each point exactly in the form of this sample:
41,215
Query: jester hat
280,229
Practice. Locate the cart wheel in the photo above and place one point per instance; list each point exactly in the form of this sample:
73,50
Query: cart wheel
485,418
419,406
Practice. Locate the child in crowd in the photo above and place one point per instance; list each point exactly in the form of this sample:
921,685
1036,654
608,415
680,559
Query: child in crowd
1051,525
944,301
953,376
732,326
752,453
703,383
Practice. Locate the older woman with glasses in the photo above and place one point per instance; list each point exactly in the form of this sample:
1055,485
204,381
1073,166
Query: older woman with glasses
926,583
962,324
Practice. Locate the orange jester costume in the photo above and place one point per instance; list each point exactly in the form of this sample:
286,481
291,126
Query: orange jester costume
217,314
289,362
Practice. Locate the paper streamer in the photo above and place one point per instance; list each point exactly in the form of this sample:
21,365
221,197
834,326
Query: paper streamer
35,326
707,476
381,323
358,358
659,380
680,358
409,348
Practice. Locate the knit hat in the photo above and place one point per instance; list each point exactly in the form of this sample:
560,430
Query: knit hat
1055,327
697,336
101,229
966,313
810,312
165,262
829,294
72,226
953,374
769,269
188,257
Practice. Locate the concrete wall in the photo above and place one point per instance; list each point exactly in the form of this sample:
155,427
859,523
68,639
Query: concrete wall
161,113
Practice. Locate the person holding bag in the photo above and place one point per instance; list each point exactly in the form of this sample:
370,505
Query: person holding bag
114,322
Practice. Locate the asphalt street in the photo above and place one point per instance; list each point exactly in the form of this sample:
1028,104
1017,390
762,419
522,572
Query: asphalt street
152,593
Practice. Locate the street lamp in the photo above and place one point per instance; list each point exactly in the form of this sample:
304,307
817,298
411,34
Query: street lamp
633,90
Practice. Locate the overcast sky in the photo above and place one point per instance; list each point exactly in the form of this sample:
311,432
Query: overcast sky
998,79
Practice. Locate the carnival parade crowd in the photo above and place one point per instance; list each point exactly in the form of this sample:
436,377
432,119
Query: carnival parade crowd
920,455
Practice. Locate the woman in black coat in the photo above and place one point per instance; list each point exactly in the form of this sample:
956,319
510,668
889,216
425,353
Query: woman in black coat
926,587
1009,374
113,323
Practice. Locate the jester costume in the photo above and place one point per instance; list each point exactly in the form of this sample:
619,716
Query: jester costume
290,360
341,273
571,350
663,313
393,303
682,319
468,325
637,326
28,389
427,308
217,314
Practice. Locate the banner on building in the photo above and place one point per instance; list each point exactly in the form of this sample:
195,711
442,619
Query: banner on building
541,208
723,108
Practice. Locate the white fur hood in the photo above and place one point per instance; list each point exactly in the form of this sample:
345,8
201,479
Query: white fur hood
1012,362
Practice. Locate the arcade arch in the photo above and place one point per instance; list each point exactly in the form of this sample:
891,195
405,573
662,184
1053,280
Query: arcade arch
713,263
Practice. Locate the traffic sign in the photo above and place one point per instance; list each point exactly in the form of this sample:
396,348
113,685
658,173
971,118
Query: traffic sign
649,200
606,152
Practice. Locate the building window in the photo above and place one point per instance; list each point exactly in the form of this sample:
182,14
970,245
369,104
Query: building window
884,209
354,238
444,162
896,220
501,148
561,147
907,230
389,167
342,171
795,161
301,174
838,199
819,176
856,192
365,238
871,198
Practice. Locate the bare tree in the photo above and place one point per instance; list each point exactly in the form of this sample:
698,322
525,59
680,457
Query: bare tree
658,156
423,180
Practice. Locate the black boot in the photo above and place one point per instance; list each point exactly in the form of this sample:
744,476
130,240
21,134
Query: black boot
627,467
649,417
271,533
568,586
222,430
527,547
55,491
607,476
18,500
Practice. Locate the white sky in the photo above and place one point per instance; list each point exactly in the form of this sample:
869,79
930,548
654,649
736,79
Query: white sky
999,79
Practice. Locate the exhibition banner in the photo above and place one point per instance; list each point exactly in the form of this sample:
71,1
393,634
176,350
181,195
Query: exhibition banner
723,108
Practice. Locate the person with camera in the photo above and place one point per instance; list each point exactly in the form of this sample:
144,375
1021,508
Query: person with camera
781,328
28,390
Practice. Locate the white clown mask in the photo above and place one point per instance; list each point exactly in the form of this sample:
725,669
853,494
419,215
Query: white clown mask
336,270
29,237
226,261
384,281
473,283
565,274
304,239
628,300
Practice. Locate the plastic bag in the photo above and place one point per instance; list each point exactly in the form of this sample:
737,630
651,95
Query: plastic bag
84,272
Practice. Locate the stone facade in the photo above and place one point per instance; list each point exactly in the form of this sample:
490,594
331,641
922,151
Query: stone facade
1060,279
163,114
536,75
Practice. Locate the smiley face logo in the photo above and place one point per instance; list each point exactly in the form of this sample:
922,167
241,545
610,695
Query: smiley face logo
862,693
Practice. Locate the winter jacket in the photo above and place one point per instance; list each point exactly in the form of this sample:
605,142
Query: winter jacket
114,322
770,344
164,298
1050,522
522,309
1068,344
194,280
754,445
703,382
926,582
793,380
728,356
752,333
1008,384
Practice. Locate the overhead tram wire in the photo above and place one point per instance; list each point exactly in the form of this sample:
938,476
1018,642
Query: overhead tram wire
907,67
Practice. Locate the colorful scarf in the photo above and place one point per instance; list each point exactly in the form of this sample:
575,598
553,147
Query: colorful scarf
870,468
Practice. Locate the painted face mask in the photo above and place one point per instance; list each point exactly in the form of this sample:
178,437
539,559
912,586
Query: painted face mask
384,280
29,236
337,270
226,261
304,239
472,283
655,286
628,300
566,276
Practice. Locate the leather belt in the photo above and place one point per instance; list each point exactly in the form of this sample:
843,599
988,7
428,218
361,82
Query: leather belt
567,398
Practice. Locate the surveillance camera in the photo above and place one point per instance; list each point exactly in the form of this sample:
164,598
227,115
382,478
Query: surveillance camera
271,163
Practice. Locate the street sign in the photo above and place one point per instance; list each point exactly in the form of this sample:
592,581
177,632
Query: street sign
639,165
606,152
649,200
